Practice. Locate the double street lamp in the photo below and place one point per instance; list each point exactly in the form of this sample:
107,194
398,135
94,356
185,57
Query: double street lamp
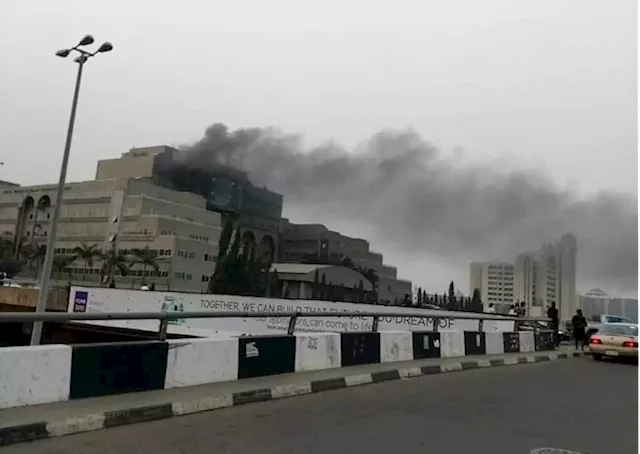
84,56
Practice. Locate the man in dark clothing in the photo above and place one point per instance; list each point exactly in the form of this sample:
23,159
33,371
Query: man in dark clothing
552,313
579,327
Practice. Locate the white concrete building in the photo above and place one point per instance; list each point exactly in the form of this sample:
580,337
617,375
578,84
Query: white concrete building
495,280
548,276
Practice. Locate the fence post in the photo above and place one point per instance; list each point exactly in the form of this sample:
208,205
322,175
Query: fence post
292,324
436,323
164,324
480,322
376,322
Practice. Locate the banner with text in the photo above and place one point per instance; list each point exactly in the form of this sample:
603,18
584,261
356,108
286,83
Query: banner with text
87,299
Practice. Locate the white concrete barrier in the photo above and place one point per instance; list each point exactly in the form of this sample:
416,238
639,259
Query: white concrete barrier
527,342
451,344
198,361
396,346
316,351
494,343
34,375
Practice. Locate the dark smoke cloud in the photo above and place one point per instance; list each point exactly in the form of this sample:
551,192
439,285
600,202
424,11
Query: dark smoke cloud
421,202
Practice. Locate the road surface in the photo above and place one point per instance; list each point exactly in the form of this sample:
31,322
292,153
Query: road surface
575,404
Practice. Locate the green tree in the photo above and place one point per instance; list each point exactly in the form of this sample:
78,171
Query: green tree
62,262
113,261
146,258
452,297
240,272
475,305
315,287
10,266
33,255
323,288
87,253
419,296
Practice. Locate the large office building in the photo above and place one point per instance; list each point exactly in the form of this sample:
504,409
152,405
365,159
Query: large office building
315,243
152,197
495,280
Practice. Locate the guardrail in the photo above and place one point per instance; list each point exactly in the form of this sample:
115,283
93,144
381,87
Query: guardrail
165,317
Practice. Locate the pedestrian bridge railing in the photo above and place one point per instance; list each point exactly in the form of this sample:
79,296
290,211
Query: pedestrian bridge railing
521,323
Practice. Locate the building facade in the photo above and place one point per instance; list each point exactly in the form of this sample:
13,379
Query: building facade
121,214
152,198
315,243
495,280
548,276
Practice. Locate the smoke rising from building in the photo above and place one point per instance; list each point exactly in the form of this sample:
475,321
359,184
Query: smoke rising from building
421,202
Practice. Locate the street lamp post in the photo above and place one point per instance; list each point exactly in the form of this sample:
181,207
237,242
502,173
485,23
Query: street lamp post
41,305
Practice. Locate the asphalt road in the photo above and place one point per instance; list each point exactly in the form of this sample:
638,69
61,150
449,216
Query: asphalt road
574,404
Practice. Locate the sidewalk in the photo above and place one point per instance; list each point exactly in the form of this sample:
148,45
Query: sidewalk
63,418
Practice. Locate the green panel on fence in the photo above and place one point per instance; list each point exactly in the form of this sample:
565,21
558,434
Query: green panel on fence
268,355
105,369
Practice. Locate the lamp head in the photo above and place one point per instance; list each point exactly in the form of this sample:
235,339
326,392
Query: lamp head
63,53
88,39
106,47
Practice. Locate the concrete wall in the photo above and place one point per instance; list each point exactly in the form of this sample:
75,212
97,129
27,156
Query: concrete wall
198,361
316,351
451,343
527,342
51,373
396,346
34,375
494,343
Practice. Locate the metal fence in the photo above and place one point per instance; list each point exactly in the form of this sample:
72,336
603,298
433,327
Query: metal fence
164,318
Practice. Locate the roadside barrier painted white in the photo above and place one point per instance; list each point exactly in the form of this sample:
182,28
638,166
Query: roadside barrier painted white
494,343
396,346
316,351
527,342
193,362
34,375
50,373
451,343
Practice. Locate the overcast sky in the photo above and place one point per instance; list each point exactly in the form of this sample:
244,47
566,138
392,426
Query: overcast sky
549,85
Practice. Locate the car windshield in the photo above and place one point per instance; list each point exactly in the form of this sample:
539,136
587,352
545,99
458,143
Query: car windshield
615,319
624,330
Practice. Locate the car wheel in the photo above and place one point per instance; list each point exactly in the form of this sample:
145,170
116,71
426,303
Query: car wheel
597,357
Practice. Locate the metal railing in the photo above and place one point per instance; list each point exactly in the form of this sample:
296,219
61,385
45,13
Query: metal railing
165,317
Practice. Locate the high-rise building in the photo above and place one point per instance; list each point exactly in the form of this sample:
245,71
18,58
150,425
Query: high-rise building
548,276
495,280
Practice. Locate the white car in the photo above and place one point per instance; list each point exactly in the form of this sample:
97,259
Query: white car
594,325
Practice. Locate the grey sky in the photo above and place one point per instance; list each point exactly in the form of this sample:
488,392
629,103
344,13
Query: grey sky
549,85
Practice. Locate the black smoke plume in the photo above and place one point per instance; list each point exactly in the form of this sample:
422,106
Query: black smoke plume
420,202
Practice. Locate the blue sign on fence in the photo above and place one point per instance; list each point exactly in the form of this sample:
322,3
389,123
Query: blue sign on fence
80,301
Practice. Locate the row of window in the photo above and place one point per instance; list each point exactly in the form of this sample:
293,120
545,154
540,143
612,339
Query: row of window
183,275
198,238
186,254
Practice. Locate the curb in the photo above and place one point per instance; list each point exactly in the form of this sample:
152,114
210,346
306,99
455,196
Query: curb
86,423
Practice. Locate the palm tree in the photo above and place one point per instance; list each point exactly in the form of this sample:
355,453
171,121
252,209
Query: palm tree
112,261
87,253
146,258
61,262
34,255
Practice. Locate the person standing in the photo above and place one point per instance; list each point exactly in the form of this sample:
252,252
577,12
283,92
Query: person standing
579,323
552,313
